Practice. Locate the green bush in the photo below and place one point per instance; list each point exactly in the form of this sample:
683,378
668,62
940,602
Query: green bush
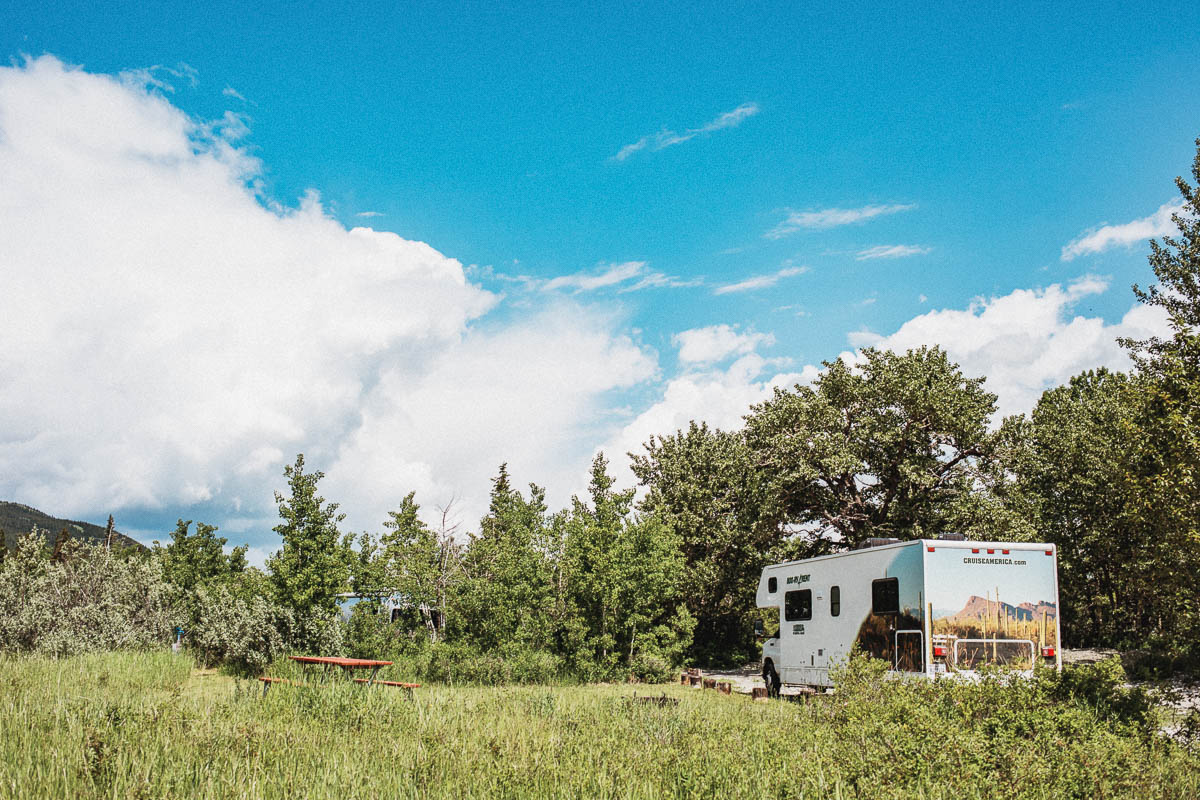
652,668
457,663
243,634
89,599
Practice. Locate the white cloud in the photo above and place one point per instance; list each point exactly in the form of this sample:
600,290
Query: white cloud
716,343
1024,342
608,275
890,251
667,138
529,395
760,281
831,218
1130,233
172,338
719,397
369,214
611,275
229,91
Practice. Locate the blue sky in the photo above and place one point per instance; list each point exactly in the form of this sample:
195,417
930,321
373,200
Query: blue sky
815,181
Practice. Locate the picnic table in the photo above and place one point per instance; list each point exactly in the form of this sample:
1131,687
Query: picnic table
346,664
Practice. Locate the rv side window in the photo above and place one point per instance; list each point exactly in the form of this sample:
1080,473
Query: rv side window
885,596
772,585
797,605
835,600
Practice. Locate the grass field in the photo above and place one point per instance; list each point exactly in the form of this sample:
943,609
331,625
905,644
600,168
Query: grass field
128,725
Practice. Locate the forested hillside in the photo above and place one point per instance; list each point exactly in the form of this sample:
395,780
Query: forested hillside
17,520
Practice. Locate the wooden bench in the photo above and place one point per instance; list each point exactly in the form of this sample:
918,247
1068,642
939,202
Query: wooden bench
267,681
408,687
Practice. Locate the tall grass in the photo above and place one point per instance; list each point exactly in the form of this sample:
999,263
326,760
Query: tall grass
146,725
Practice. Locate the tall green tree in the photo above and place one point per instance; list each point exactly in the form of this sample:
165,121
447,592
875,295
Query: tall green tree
1166,472
703,486
623,578
420,563
888,447
313,565
507,594
197,559
1073,478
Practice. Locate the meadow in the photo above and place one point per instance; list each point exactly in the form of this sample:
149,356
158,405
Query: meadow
126,725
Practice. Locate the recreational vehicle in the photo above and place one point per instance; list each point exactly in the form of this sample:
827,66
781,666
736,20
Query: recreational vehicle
928,607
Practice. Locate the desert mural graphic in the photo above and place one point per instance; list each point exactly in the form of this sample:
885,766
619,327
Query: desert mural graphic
1007,598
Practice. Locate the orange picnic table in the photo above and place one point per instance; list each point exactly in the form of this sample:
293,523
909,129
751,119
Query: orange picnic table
347,664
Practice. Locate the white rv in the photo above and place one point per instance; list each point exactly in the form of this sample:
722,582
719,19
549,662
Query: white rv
928,607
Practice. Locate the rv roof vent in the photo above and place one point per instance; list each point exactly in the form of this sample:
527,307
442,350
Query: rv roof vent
953,537
874,541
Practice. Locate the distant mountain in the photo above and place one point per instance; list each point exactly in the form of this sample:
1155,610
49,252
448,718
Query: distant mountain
980,606
17,520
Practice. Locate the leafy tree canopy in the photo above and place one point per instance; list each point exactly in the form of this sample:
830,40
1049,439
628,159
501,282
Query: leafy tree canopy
888,447
313,565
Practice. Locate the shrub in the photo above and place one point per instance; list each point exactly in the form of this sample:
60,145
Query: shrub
88,599
652,668
461,663
243,634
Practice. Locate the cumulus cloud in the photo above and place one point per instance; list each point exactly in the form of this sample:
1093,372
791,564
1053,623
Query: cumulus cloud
1024,342
171,337
716,343
1125,235
760,281
719,397
831,218
890,251
529,395
667,138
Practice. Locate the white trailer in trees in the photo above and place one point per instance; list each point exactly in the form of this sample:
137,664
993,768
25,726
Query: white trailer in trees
928,607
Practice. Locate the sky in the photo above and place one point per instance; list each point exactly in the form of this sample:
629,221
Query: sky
415,242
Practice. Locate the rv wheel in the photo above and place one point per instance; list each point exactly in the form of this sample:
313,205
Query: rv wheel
771,679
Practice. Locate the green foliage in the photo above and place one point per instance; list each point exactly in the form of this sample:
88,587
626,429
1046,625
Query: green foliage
464,664
420,564
702,485
506,596
1075,476
1165,477
313,565
888,447
15,517
198,559
620,579
88,599
244,635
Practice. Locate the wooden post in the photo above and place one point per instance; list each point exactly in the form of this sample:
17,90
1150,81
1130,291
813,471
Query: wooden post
725,687
760,693
710,683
